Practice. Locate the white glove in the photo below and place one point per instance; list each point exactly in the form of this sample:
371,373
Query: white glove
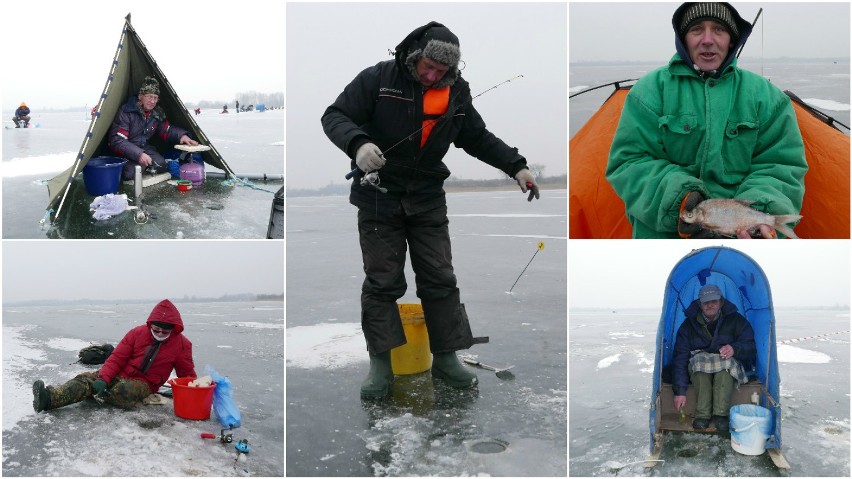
369,157
526,181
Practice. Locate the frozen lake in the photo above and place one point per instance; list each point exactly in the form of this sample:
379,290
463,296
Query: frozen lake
425,428
250,142
611,360
241,340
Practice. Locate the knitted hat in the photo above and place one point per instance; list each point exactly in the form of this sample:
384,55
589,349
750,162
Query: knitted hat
709,11
709,292
149,85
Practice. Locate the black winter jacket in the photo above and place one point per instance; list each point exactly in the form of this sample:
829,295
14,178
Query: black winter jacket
731,328
384,105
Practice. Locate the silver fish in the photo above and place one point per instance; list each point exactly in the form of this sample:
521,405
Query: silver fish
727,216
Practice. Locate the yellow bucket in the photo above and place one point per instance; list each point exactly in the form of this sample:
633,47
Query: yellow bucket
414,356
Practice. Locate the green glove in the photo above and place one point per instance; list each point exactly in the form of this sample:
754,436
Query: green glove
99,386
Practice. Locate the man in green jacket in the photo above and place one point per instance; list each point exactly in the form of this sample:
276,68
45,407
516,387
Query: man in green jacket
700,128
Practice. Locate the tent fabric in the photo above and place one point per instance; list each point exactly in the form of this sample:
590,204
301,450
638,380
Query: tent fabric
131,64
825,208
595,211
744,284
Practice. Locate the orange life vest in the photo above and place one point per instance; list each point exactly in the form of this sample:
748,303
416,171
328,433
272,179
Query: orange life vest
435,102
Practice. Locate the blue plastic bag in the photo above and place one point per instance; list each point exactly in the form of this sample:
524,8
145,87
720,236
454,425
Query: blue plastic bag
224,407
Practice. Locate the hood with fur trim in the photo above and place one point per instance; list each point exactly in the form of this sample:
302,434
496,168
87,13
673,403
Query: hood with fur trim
435,41
743,26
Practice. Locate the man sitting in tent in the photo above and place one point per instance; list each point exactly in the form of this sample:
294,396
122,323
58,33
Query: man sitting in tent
714,345
22,116
701,127
136,122
139,365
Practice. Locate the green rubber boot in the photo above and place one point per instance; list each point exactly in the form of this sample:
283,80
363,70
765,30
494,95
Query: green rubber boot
377,384
446,366
41,396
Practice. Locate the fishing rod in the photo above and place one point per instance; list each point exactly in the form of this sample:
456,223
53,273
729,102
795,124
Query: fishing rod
357,171
752,26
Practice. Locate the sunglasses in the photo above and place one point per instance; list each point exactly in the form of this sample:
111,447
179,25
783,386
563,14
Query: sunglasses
158,330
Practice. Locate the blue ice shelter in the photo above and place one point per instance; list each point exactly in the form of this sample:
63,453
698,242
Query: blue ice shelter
260,107
744,284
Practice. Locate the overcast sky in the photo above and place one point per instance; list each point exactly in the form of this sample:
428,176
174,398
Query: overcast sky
633,273
208,50
640,31
328,44
139,269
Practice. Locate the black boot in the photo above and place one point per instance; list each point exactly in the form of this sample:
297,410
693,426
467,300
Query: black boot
41,396
446,366
378,381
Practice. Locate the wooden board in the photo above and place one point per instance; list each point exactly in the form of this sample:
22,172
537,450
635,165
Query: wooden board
192,149
151,180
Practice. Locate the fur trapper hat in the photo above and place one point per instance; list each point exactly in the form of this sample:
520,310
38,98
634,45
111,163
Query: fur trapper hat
439,44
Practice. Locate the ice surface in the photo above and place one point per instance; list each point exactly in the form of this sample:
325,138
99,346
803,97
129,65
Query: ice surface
793,354
608,361
250,143
328,346
84,439
822,104
425,428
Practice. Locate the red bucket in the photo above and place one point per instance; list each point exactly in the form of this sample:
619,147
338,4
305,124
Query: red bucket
192,402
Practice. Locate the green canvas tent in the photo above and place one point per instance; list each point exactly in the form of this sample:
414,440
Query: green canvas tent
132,63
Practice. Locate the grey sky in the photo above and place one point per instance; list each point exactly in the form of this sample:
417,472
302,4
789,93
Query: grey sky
48,270
624,274
640,31
208,50
328,44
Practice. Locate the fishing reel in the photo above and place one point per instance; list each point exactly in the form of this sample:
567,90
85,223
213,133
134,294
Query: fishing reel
241,461
226,438
242,446
372,179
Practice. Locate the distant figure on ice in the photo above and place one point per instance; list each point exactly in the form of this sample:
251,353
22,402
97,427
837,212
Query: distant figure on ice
714,345
367,121
197,111
22,116
136,122
224,109
237,107
139,365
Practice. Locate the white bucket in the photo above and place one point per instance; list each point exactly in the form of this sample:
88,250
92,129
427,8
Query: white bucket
750,428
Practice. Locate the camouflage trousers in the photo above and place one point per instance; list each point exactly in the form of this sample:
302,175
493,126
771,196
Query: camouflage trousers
121,392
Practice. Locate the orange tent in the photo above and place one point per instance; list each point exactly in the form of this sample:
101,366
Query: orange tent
595,211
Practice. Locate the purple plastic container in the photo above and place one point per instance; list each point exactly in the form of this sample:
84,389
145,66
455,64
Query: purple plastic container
193,172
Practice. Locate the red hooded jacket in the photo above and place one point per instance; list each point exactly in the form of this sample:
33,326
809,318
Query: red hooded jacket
175,352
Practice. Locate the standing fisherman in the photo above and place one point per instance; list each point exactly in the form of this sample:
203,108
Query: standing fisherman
372,122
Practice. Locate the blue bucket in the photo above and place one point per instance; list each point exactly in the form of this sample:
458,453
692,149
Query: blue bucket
102,175
174,168
750,428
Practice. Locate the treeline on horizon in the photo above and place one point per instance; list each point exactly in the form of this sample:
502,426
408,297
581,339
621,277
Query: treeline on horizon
242,297
451,183
275,100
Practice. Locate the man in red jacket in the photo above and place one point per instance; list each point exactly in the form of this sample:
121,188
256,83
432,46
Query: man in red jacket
139,365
